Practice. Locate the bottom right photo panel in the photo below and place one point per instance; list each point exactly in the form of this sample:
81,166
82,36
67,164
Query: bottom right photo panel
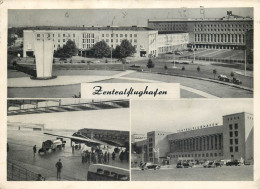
192,140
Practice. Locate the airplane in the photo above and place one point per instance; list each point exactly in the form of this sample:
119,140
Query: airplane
115,140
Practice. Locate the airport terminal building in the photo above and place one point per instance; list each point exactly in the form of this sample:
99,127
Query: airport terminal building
228,32
231,141
147,41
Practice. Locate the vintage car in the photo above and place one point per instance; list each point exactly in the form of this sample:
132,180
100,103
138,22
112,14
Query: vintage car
223,78
149,165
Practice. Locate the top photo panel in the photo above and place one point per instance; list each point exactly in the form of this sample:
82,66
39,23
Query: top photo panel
208,51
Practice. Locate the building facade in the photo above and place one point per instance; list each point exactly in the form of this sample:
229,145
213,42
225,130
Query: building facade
230,141
146,41
142,38
228,32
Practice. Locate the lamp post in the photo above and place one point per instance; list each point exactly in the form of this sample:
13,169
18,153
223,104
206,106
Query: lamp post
112,36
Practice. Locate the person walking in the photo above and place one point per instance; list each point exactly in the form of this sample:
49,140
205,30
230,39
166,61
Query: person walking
34,150
59,167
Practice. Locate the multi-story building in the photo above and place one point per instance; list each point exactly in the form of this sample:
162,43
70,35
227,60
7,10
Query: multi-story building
232,140
142,38
228,32
145,40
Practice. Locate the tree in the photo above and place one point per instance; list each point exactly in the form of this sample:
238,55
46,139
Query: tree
67,51
11,40
101,49
198,68
214,72
150,64
124,50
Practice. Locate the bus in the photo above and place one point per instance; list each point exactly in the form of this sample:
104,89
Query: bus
101,172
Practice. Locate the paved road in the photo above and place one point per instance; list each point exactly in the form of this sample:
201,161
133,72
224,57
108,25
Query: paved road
239,173
190,88
21,153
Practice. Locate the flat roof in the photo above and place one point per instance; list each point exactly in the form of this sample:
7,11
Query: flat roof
171,32
132,28
200,19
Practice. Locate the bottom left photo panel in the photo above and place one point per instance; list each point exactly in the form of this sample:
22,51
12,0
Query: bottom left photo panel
68,140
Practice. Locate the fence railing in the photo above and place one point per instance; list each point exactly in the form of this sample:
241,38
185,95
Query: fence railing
18,173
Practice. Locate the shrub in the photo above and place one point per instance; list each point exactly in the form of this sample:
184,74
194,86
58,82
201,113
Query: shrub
183,68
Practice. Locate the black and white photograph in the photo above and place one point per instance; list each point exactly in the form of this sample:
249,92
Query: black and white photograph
68,140
192,140
209,51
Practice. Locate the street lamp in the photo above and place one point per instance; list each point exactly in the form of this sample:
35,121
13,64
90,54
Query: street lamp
112,36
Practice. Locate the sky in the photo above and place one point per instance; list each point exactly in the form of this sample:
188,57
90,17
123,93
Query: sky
113,119
170,116
104,17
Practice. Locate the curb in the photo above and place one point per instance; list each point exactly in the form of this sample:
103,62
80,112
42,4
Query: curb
210,80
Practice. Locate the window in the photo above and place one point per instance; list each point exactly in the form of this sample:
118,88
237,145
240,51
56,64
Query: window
38,35
64,35
125,35
103,35
230,126
135,40
231,134
106,40
216,154
58,35
236,133
231,141
236,141
58,40
112,35
236,149
64,40
111,40
116,35
231,149
236,126
73,34
207,155
121,35
130,35
135,35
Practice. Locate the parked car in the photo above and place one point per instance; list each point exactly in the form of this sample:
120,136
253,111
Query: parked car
219,164
236,81
169,53
150,165
231,163
176,62
185,62
178,53
223,78
191,50
186,165
211,164
179,165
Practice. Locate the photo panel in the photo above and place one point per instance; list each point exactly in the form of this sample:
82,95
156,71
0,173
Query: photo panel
209,51
192,140
68,140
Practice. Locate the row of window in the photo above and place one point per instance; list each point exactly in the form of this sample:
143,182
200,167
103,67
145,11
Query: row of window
231,149
88,35
121,35
88,40
231,141
235,133
224,38
235,126
230,118
226,29
197,155
223,25
116,40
